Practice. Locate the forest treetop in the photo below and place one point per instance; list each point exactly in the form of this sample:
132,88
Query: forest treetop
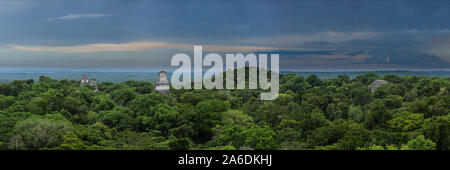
310,113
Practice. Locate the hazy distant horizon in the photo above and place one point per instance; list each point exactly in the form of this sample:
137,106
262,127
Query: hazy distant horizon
205,69
7,76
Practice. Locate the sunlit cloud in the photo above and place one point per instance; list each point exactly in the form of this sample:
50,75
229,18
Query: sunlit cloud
132,46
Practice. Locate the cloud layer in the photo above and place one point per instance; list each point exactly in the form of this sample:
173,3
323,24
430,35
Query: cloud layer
439,46
78,16
133,46
327,37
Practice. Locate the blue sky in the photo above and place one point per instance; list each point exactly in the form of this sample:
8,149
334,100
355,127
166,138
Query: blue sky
308,35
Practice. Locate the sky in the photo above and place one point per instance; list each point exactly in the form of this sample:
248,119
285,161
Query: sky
308,35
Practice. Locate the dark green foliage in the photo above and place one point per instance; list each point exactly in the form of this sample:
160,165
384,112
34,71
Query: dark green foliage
119,117
207,114
438,130
179,144
123,96
310,113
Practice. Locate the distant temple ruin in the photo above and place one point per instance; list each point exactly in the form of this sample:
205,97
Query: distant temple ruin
162,84
377,83
86,81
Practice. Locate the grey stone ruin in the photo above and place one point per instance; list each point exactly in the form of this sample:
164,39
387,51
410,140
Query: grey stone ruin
377,83
162,84
91,82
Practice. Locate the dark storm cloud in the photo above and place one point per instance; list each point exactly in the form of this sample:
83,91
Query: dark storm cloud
320,34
